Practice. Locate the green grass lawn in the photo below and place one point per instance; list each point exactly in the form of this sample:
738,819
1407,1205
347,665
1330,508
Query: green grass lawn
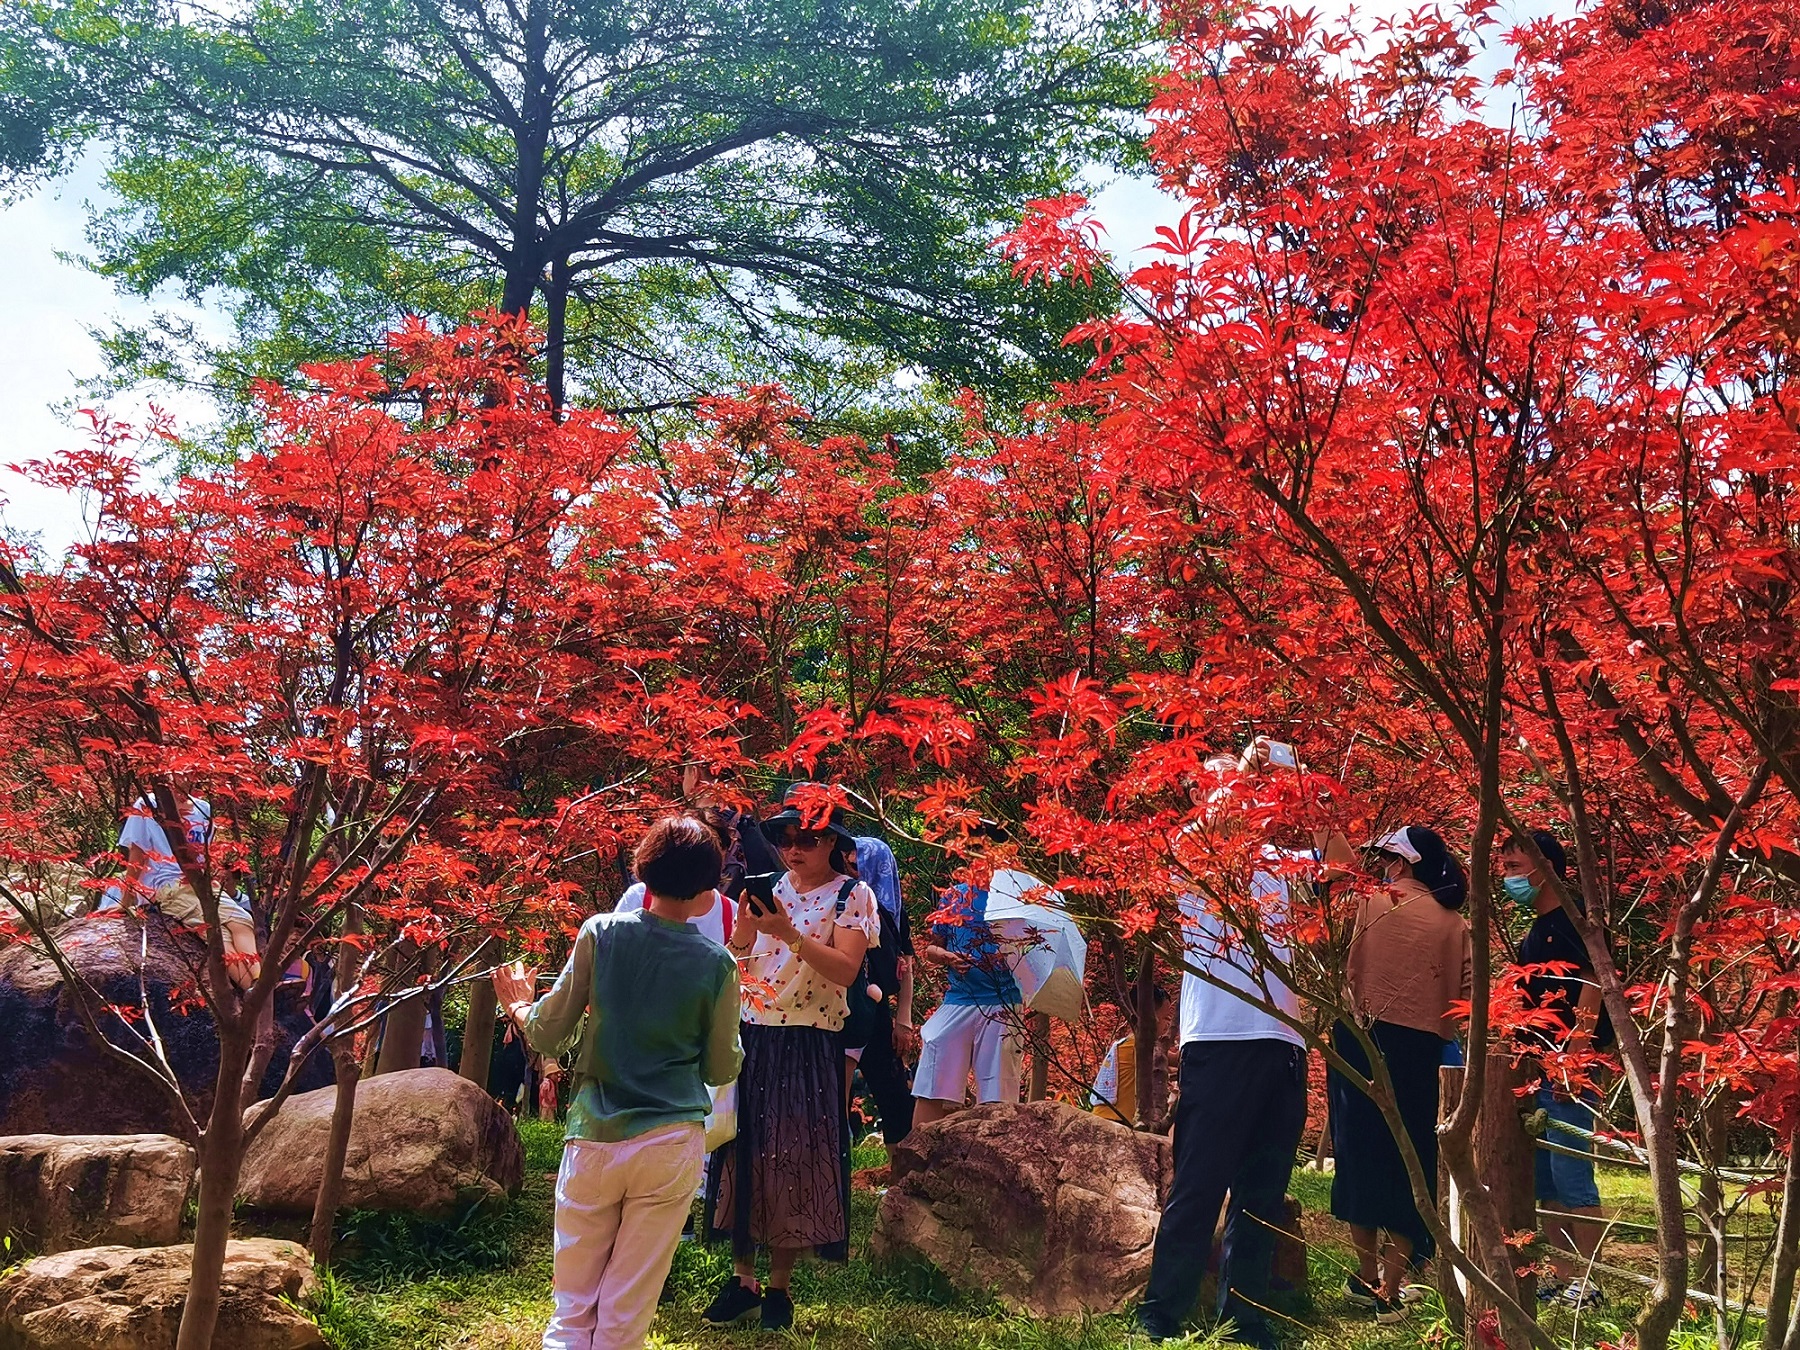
485,1283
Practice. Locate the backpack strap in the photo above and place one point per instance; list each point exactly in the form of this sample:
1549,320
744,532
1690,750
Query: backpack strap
843,897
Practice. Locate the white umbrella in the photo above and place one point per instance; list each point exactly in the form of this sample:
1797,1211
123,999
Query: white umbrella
1044,946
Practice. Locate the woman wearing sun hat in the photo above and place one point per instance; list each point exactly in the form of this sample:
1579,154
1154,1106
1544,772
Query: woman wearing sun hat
784,1182
1410,961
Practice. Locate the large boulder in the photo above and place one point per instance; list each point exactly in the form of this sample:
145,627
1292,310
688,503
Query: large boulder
59,1191
424,1141
55,1078
130,1298
1053,1210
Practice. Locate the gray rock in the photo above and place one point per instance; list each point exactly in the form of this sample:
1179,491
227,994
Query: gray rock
59,1191
130,1298
423,1141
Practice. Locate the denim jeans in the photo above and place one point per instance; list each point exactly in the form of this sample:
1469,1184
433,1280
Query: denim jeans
1561,1179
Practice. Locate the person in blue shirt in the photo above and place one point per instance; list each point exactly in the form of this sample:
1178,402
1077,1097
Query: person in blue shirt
978,1029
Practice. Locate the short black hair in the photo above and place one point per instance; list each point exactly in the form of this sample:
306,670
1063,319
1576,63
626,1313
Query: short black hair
1548,845
678,857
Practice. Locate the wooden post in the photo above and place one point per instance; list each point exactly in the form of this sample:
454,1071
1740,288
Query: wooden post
1039,1087
1505,1158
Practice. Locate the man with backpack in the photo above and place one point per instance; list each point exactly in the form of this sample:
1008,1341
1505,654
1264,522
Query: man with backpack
878,1036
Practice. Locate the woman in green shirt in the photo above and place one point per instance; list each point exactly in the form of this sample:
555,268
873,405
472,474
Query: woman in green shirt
654,1008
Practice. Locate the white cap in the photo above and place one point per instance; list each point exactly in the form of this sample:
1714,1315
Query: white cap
1400,844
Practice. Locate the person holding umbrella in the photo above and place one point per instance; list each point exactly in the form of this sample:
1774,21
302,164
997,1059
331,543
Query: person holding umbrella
977,1030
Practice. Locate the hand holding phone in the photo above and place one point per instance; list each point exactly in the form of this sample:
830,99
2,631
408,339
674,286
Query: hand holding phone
759,893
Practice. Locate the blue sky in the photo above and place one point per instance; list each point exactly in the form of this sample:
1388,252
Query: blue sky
46,348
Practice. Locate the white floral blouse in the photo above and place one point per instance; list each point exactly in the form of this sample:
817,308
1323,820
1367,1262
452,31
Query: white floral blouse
781,990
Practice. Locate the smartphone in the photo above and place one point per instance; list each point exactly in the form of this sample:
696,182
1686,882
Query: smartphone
1280,752
759,892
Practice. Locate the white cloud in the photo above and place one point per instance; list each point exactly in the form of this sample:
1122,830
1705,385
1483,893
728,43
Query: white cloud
46,350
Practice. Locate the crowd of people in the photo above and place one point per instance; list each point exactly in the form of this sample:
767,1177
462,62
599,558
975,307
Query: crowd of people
746,954
755,967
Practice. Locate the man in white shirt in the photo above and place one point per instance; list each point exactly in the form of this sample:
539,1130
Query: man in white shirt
1242,1109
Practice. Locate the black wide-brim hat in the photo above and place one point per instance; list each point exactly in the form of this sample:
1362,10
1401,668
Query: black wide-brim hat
790,814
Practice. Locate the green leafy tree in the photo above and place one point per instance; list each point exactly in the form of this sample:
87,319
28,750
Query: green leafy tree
677,190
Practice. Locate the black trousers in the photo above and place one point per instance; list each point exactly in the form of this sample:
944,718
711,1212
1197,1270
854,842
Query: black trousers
889,1082
1242,1112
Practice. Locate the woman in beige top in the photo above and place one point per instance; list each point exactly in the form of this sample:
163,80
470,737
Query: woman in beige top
1409,964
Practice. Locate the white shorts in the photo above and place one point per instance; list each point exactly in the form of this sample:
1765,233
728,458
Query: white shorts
959,1040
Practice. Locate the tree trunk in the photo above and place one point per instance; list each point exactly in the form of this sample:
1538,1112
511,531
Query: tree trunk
337,1147
1787,1254
478,1030
221,1158
556,329
404,1033
1505,1169
1039,1086
440,1043
403,1038
1144,1041
347,1070
1709,1209
262,1050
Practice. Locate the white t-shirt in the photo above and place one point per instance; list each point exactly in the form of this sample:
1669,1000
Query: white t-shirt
711,924
160,867
1209,1013
781,990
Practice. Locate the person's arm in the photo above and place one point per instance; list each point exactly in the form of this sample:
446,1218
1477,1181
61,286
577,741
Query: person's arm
551,1024
1587,1015
132,888
837,960
936,950
746,927
903,1001
905,1039
723,1055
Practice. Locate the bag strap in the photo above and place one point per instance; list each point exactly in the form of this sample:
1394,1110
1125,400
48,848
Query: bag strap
843,897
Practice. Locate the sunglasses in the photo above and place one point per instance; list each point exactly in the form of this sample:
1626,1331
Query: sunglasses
804,839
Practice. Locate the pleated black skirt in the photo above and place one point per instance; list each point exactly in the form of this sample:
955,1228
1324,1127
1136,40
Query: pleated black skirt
785,1180
1369,1187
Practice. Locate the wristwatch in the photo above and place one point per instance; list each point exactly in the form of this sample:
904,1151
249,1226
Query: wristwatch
794,946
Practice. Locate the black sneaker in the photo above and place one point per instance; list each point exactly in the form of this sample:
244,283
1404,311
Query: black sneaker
1155,1330
1390,1310
777,1310
735,1303
1358,1294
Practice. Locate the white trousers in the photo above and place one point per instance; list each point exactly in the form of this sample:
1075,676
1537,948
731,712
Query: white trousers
619,1211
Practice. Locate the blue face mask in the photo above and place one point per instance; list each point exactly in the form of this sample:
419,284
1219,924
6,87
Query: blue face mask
1522,889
